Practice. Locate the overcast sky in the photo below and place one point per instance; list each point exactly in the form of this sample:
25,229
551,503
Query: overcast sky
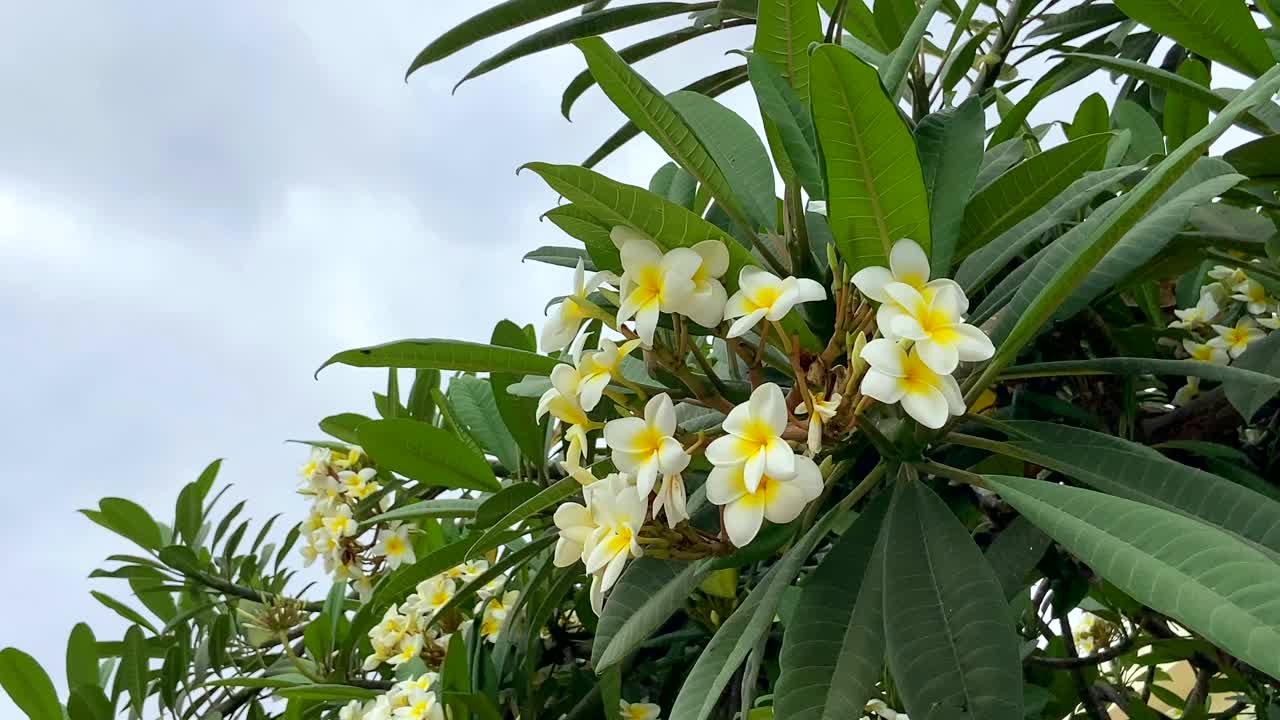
198,205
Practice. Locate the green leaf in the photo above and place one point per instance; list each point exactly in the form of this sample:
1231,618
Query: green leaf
1147,138
493,21
674,184
1206,180
950,146
548,497
655,115
28,685
439,508
893,73
134,671
1262,357
1184,117
960,64
784,31
1172,83
82,657
501,503
713,85
577,27
1103,230
1078,20
875,188
950,636
427,454
1259,158
343,426
122,610
518,413
892,18
422,404
326,692
649,592
1202,577
1027,187
791,121
497,570
1091,117
584,227
444,355
455,675
472,402
479,705
89,702
833,649
1014,553
720,659
561,257
632,54
1222,30
128,519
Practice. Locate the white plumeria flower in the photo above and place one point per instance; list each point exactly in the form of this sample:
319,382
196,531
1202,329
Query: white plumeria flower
908,265
941,336
432,594
340,524
1206,352
422,705
410,647
705,305
652,282
317,464
885,712
565,320
645,446
1254,295
577,525
898,377
1205,310
358,485
393,544
1235,340
824,410
764,296
754,438
561,400
619,518
1271,322
353,710
672,500
780,500
638,711
494,613
1188,392
1232,277
595,369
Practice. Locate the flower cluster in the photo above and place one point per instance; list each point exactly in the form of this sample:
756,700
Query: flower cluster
413,699
639,711
923,337
1233,311
412,629
337,483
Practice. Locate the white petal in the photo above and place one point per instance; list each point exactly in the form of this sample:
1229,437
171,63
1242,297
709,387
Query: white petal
579,275
571,514
639,252
752,278
810,290
780,460
870,281
738,419
786,300
951,391
906,326
974,345
886,315
575,349
660,414
885,388
682,262
647,322
909,263
938,357
737,306
589,392
624,434
725,450
886,356
815,434
715,257
565,379
646,475
908,297
742,520
770,407
597,595
706,305
724,484
745,323
620,234
808,478
786,504
753,470
929,407
613,571
567,552
671,456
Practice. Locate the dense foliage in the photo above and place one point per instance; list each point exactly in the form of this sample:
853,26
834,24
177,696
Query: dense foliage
968,423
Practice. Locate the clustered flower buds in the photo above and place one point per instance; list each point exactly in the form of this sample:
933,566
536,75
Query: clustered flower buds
1233,312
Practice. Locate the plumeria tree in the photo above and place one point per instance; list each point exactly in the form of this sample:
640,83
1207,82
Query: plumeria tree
907,407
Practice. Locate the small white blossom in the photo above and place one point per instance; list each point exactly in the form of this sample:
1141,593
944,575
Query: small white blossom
824,410
898,377
762,295
754,440
780,500
645,446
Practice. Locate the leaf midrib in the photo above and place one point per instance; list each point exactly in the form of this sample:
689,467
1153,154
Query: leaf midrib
946,623
873,194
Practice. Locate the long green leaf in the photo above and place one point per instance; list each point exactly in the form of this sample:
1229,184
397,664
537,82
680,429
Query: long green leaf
1146,137
950,145
1058,282
594,236
1014,553
82,657
833,650
1183,116
444,355
578,27
497,19
736,149
951,642
472,402
875,188
649,592
1259,158
1221,30
28,685
784,31
895,71
654,114
720,659
1199,575
439,508
326,692
518,414
1262,358
133,674
632,54
122,610
791,121
1027,187
427,454
549,497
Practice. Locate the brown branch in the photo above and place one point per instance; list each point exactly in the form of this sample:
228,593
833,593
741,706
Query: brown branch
1080,661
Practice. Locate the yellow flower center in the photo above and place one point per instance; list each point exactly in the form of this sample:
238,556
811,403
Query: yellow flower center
939,326
765,297
395,546
439,598
915,280
917,378
620,541
1203,352
635,712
